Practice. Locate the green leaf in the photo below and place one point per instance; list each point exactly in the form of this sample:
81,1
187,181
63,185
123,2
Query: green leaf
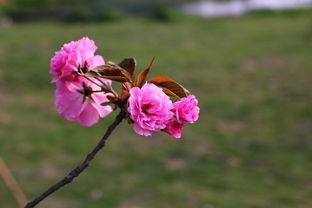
106,103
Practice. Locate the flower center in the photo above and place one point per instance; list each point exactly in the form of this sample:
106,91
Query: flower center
86,91
83,68
145,107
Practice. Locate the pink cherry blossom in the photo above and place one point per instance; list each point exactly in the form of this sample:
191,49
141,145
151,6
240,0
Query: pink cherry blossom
186,109
174,128
71,57
75,104
150,109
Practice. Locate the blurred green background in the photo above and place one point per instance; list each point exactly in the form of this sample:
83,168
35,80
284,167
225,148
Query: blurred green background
251,147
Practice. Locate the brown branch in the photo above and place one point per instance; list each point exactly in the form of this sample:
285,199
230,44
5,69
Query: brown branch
12,184
75,172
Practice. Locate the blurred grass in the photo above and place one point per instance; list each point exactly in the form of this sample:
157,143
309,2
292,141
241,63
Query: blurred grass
251,147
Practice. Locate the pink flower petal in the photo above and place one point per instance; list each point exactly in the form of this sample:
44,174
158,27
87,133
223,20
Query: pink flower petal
149,108
141,131
89,115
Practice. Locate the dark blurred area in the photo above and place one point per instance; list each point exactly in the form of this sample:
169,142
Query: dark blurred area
108,10
82,10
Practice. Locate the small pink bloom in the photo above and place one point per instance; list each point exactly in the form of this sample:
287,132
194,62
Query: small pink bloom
71,57
150,109
174,128
75,106
187,109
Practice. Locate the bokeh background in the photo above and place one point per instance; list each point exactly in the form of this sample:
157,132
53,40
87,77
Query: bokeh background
251,72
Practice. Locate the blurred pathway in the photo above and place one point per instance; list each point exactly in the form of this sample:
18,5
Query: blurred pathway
239,7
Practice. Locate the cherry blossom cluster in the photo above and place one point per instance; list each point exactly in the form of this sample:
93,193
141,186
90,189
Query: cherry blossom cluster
78,98
84,92
152,110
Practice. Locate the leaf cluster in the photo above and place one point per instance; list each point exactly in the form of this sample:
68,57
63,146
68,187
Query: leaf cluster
124,73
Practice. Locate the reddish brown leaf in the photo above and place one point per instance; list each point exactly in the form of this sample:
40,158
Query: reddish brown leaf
115,78
108,71
142,76
169,93
172,88
128,64
123,71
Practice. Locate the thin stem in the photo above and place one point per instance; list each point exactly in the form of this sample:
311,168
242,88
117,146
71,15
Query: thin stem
108,87
11,183
92,81
94,91
110,90
76,171
98,79
114,92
